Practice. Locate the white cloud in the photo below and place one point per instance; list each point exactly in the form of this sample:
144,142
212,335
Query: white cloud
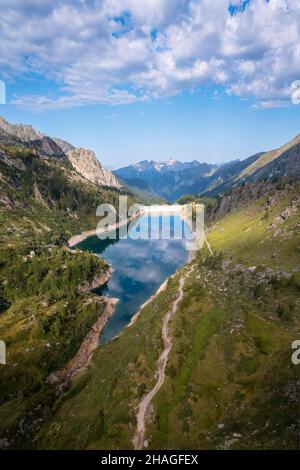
270,104
121,51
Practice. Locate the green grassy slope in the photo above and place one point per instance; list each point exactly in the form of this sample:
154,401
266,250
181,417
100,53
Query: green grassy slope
269,157
230,381
99,411
43,317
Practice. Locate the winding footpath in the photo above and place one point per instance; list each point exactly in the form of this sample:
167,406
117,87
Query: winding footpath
139,437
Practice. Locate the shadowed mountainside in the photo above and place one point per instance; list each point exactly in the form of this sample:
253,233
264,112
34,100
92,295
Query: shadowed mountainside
82,160
173,179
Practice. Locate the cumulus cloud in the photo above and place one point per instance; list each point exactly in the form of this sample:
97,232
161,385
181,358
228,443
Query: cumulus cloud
123,51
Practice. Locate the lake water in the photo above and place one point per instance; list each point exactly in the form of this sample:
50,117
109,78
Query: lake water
140,266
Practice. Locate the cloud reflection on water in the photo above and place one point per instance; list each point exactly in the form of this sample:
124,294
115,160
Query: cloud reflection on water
140,267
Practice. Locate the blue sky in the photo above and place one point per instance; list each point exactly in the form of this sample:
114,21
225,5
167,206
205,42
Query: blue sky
190,79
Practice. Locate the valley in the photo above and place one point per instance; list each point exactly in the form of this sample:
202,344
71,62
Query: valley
223,325
230,382
140,266
173,179
149,232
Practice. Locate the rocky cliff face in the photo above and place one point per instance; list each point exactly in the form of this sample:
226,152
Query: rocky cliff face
22,132
64,145
47,147
83,161
26,135
86,164
244,195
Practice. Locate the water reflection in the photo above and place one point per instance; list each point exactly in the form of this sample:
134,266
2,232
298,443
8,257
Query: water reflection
140,267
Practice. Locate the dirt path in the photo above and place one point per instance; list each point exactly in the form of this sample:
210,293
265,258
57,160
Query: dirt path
138,440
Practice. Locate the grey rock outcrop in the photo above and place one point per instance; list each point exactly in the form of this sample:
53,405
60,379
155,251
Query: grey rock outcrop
22,132
83,161
63,144
16,134
86,164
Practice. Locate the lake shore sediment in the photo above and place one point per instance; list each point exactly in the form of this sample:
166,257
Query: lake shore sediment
63,377
76,239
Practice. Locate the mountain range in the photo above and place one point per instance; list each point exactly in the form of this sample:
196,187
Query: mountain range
229,381
83,161
173,179
153,181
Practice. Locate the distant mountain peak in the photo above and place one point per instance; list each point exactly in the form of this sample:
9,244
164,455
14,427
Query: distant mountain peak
172,161
169,165
172,179
163,177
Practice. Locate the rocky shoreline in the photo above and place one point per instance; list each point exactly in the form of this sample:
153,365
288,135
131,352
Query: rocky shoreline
161,288
63,377
97,281
73,241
